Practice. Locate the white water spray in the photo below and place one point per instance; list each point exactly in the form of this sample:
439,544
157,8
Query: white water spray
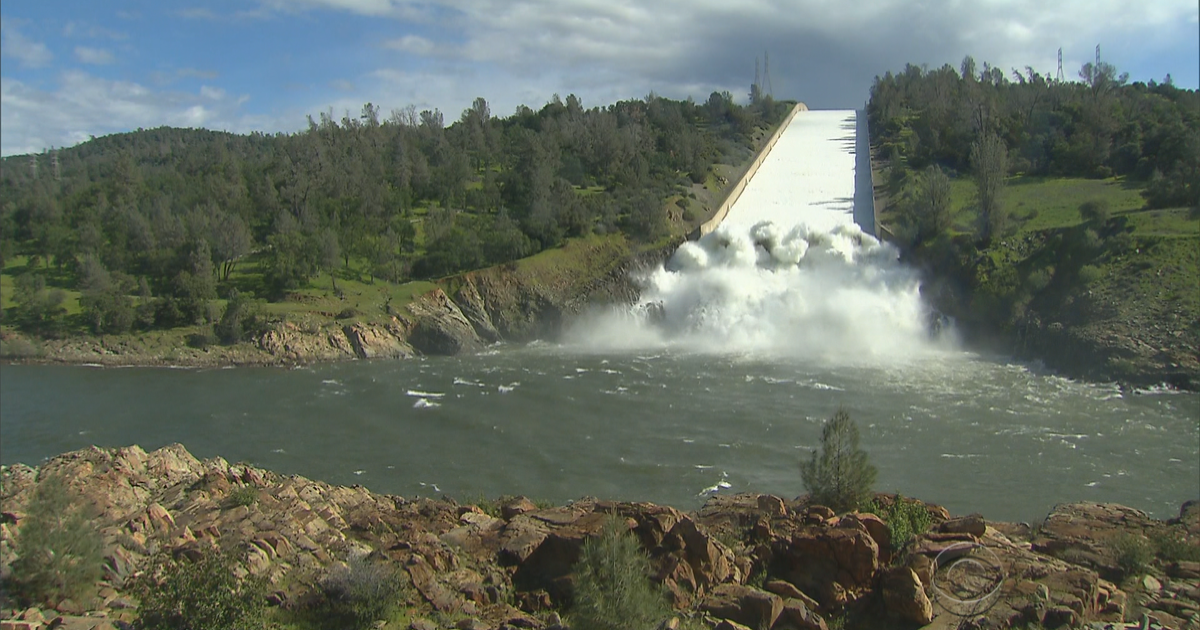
787,274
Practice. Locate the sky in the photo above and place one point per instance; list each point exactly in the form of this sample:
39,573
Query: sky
73,69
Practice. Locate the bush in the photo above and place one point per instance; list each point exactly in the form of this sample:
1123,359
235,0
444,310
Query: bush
612,583
60,552
839,476
360,593
905,519
1040,279
1132,553
1089,274
1172,547
1095,211
19,348
201,595
242,497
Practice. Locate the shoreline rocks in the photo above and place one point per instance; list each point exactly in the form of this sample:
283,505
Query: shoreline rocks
749,559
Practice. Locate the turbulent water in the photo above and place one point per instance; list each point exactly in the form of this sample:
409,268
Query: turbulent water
716,382
974,433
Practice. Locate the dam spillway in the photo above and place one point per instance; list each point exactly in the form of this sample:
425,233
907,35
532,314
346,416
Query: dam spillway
809,176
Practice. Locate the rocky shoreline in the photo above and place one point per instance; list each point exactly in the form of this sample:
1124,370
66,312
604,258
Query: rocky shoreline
742,561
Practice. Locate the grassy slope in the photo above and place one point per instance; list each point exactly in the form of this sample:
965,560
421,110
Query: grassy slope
1138,294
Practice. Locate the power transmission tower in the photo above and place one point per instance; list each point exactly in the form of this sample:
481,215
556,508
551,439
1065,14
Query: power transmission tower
1059,78
55,165
33,164
767,74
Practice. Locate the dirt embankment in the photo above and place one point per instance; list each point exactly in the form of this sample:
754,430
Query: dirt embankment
742,561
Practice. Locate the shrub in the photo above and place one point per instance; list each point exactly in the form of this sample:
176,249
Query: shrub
839,476
612,583
360,592
1089,274
1132,553
1095,211
60,552
1040,279
905,519
242,497
19,348
1171,547
201,595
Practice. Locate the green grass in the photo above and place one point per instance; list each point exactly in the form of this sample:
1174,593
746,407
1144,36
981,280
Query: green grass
19,265
1039,203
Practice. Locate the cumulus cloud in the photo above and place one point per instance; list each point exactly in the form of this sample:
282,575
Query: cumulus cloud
82,105
15,45
94,56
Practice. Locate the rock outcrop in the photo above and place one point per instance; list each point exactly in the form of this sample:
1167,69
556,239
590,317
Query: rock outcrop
743,561
440,327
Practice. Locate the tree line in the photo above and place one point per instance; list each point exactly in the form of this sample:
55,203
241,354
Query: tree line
153,225
992,124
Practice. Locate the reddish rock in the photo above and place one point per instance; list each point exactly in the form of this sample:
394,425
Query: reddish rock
743,604
797,615
772,505
904,597
516,507
835,563
973,525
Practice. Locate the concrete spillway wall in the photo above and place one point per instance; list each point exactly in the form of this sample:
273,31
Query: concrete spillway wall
815,170
736,192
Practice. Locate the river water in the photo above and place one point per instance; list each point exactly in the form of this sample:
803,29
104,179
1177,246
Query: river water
717,381
559,422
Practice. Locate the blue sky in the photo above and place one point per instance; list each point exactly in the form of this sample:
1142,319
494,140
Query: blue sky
74,69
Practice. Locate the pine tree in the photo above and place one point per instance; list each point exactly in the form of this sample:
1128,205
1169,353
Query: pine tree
839,476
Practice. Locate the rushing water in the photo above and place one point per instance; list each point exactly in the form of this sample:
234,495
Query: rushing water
554,422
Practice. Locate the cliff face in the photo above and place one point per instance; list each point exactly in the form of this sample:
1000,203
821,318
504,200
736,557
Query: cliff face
755,560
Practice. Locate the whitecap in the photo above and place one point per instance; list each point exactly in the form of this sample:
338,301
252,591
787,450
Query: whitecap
421,394
359,472
424,403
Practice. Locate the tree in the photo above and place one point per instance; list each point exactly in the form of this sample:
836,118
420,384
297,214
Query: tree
930,207
989,159
839,476
60,553
612,583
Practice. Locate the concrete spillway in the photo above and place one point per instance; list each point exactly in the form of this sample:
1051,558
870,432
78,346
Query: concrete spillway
809,176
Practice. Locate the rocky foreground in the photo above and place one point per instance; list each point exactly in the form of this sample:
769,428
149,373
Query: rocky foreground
753,561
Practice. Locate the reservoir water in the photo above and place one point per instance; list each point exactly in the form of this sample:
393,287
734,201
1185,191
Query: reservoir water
716,382
973,433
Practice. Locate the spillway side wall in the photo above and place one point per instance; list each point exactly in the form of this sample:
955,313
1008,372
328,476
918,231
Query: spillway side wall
723,210
865,209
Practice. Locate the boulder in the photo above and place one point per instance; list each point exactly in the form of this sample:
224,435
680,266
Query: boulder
973,525
787,591
904,597
378,341
773,506
797,615
744,605
515,507
876,528
837,563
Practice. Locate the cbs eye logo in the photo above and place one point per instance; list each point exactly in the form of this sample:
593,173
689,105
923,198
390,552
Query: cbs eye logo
967,578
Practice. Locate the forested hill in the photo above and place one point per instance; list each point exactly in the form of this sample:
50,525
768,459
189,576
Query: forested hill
1060,219
1097,127
151,226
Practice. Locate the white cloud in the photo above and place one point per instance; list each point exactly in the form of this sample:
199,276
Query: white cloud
15,44
94,56
212,93
414,44
82,105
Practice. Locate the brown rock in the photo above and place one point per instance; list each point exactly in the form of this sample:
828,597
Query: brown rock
772,505
973,525
877,529
441,328
1184,570
1060,617
835,563
726,624
904,596
515,507
797,615
743,604
820,511
787,591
